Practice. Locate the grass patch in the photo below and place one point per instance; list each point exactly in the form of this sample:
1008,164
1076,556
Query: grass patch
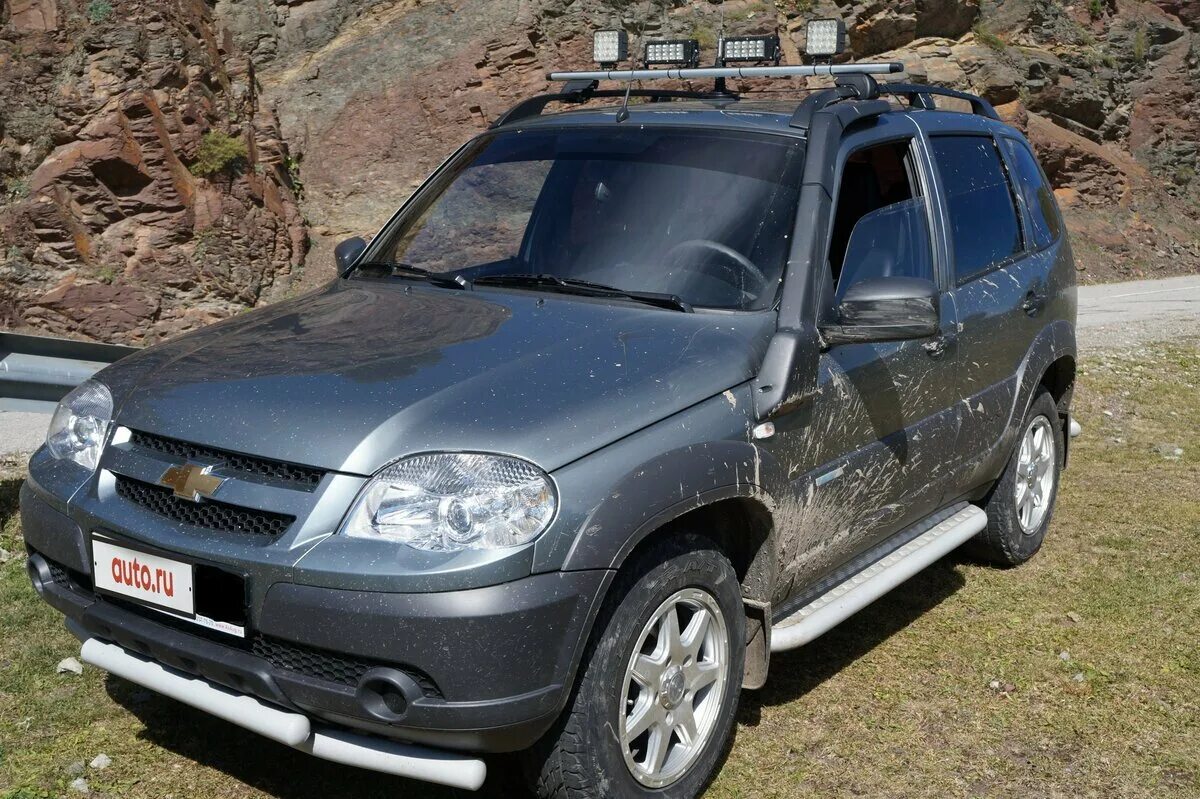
1096,637
987,38
1141,44
705,34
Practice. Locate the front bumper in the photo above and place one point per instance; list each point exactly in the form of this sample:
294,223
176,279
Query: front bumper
478,670
293,729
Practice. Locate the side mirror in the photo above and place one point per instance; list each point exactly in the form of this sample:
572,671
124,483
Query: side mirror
347,252
886,309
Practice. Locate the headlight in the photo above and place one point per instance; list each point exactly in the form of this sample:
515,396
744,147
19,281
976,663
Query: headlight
449,502
80,425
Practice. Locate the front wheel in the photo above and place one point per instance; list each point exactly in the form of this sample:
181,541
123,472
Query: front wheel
1021,503
652,713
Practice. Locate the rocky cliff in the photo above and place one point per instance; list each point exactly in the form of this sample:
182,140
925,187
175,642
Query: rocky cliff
146,190
148,187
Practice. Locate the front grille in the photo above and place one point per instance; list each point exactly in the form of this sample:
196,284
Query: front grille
303,477
211,514
328,666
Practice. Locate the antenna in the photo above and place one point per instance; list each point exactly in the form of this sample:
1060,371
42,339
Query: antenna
719,83
623,114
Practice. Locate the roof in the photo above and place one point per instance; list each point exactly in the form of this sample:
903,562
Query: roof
750,112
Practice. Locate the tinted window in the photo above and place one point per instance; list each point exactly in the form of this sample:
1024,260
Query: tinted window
703,215
871,179
983,219
1036,194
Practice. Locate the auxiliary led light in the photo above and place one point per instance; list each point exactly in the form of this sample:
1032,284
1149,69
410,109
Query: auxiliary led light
750,48
683,52
825,37
610,47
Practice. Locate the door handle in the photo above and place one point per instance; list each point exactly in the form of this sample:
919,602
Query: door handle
1034,303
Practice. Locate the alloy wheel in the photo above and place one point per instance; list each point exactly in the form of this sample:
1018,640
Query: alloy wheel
1035,475
673,685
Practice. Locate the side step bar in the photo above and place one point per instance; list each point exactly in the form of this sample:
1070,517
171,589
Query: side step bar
293,729
860,590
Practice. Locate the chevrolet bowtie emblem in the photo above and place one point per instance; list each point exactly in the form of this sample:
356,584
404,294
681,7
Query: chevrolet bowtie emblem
192,481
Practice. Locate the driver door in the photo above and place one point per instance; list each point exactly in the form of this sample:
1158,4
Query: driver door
882,422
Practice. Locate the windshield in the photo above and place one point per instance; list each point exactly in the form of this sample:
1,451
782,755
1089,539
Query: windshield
705,216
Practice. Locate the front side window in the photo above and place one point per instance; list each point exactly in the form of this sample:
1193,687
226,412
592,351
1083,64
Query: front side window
703,215
880,227
983,218
1045,224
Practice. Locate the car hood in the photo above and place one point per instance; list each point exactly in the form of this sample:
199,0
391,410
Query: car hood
363,372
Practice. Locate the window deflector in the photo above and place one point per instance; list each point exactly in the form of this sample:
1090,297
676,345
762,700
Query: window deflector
892,241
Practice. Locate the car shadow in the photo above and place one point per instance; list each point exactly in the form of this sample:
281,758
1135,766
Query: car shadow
794,674
285,773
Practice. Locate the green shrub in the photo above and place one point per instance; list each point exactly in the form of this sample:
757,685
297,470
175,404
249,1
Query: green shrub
1096,8
220,152
99,10
292,165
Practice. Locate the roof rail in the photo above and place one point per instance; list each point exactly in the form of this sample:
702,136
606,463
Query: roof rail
920,95
701,73
586,90
855,86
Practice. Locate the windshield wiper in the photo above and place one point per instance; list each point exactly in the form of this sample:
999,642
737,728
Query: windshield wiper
418,272
584,288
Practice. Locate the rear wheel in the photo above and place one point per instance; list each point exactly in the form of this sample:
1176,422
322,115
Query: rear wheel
652,713
1021,503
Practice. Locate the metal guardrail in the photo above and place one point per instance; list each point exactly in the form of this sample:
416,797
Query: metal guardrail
37,371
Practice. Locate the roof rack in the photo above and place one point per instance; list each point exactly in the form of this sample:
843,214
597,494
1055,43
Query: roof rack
920,95
853,82
583,90
702,73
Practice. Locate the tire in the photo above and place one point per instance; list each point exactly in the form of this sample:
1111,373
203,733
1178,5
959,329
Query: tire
1015,528
583,756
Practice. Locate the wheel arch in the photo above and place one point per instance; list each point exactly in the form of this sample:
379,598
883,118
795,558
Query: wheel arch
739,521
1049,363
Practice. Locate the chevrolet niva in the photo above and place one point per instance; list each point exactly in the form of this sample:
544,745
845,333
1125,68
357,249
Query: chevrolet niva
621,401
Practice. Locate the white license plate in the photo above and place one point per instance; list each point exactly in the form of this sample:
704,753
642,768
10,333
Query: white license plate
141,576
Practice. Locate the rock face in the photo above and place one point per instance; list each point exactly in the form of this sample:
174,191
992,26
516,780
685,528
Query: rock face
374,96
108,233
105,231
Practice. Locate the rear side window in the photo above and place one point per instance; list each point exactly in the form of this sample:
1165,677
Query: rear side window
1035,192
983,218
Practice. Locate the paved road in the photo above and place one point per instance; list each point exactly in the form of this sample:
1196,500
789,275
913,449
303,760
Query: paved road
1115,315
1118,315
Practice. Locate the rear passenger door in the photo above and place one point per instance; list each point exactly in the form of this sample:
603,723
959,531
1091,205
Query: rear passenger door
1000,260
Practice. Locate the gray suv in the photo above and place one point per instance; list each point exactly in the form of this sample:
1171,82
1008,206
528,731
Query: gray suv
621,401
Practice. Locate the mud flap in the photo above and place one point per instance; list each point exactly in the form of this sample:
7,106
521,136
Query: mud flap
758,643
